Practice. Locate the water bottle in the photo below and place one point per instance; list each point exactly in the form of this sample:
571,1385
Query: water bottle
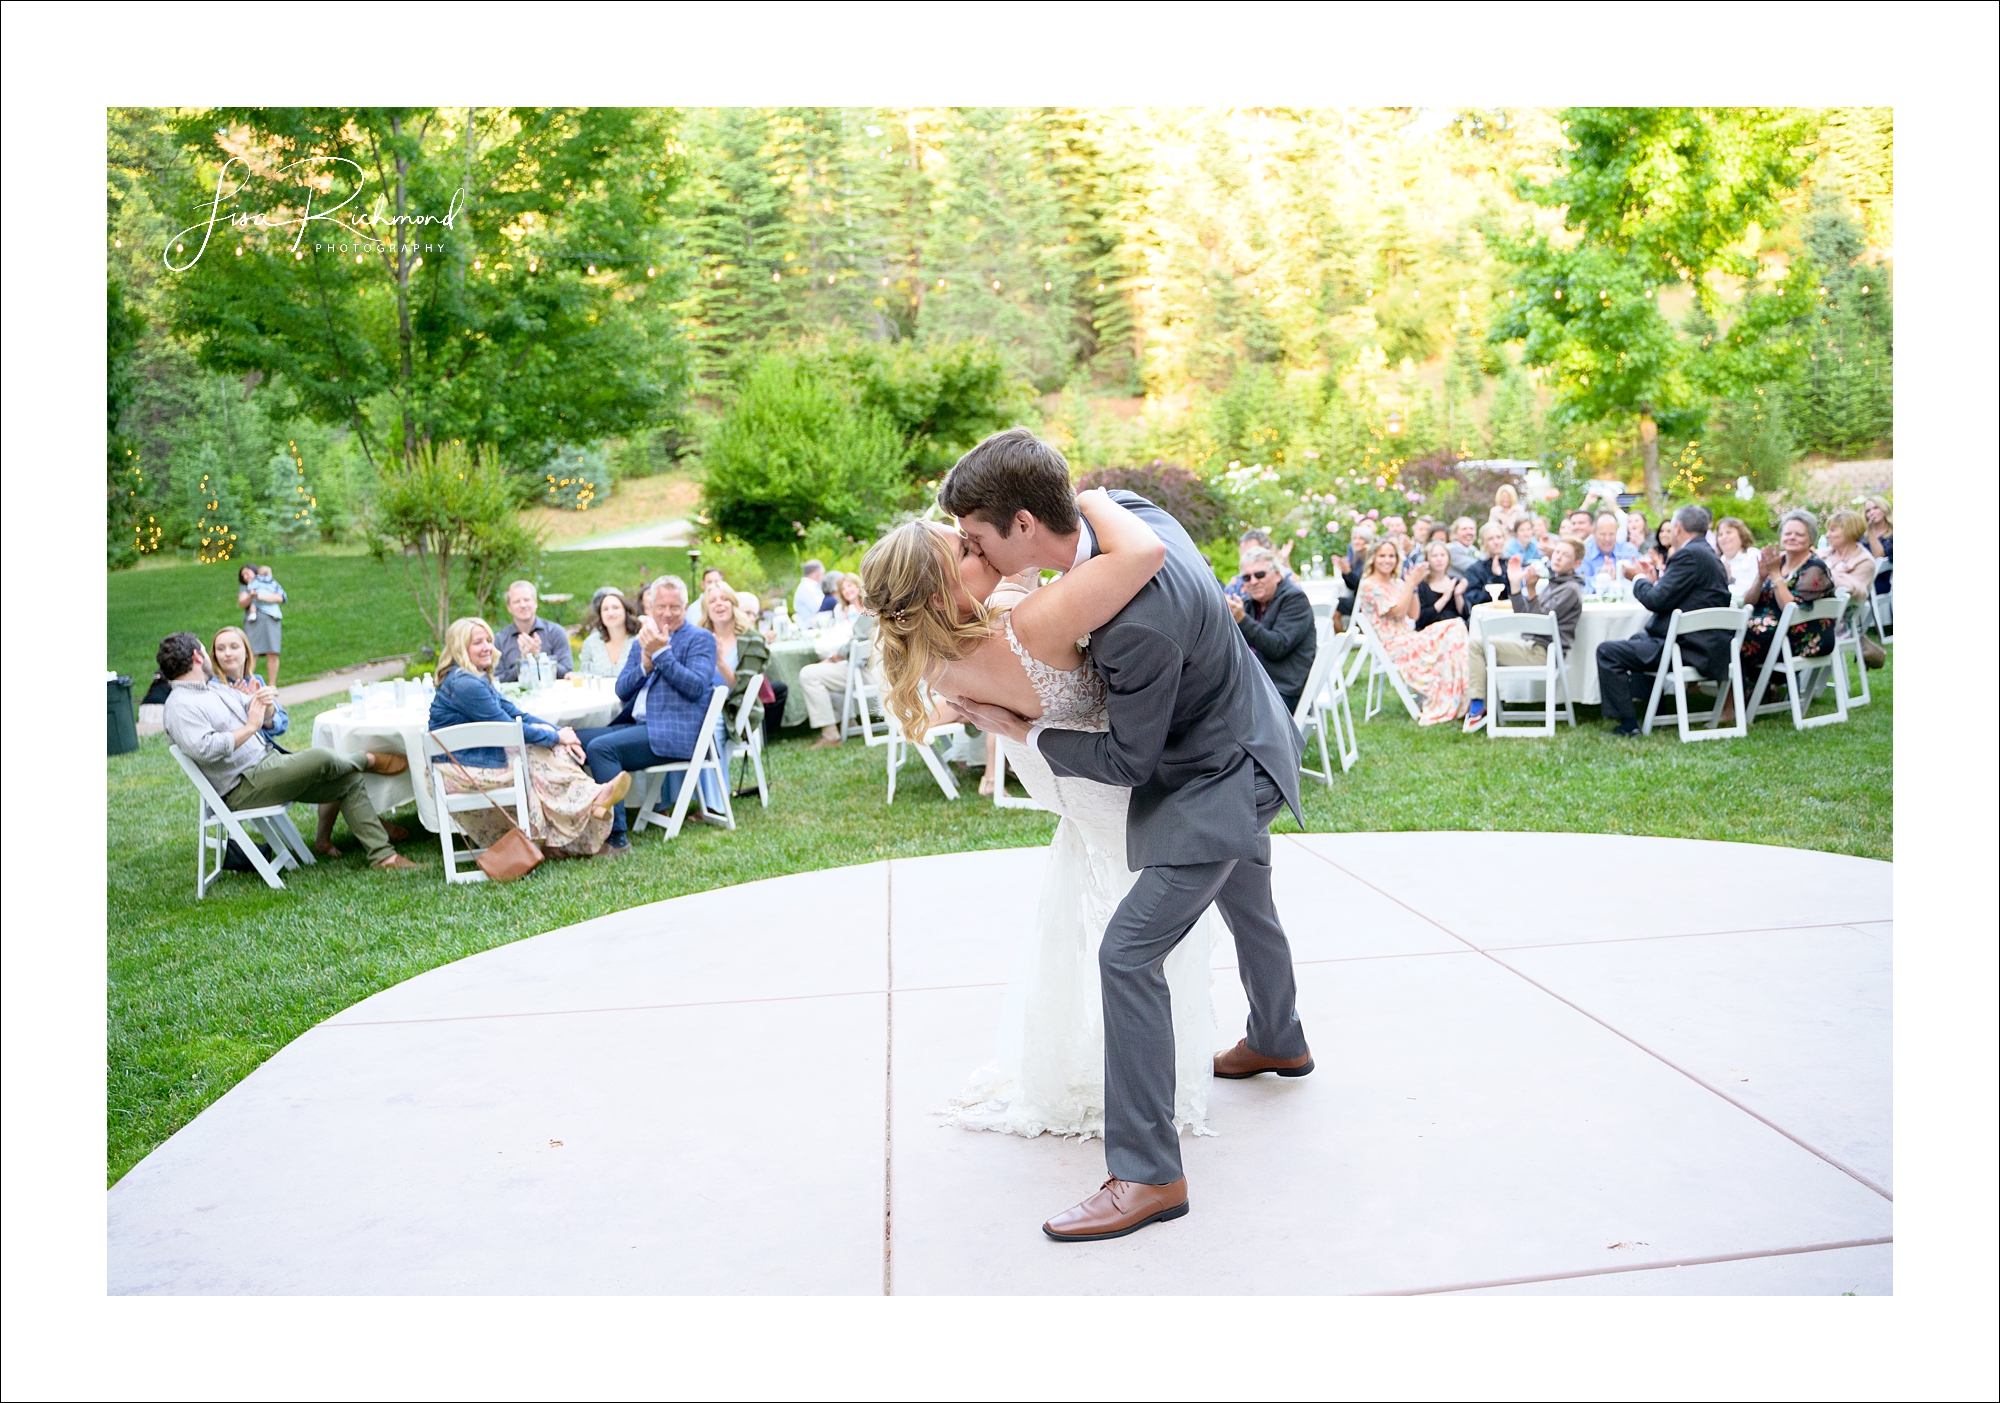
402,694
357,702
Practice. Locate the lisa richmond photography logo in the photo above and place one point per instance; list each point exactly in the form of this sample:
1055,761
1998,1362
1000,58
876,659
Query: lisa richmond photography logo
322,226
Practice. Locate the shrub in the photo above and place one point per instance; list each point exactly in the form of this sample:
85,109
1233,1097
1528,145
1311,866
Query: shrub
1174,489
738,561
447,501
796,447
576,478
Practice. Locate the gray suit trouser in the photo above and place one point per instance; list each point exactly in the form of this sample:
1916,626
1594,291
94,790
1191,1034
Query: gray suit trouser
1140,1142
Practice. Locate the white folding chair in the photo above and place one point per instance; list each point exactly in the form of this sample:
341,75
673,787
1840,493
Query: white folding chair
216,824
1853,627
1729,687
750,737
1380,666
1804,677
473,735
1551,672
1324,697
863,698
899,742
1001,798
705,760
1882,604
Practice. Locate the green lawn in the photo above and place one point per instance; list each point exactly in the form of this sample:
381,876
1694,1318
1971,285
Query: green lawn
343,608
201,992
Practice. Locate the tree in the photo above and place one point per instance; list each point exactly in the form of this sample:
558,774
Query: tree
496,275
1650,196
446,502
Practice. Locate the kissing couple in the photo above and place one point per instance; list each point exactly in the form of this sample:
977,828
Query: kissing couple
1130,705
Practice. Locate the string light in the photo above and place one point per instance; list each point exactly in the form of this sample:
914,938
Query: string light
1051,287
940,284
120,243
476,265
996,284
650,271
239,250
1559,293
829,280
885,282
591,269
360,257
1100,287
775,277
531,265
298,258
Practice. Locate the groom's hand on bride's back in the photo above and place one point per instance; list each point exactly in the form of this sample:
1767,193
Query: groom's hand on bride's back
997,719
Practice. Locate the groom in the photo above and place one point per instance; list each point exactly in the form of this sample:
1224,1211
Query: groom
1200,736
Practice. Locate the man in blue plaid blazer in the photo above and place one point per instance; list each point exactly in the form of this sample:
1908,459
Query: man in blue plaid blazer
668,678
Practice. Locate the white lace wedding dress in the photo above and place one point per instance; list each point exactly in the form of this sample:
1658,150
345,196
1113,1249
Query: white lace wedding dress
1048,1073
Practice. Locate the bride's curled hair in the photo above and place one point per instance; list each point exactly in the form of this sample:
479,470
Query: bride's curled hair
909,580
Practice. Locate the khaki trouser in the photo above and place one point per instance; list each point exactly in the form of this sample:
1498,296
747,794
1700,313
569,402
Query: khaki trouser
315,776
1507,652
822,682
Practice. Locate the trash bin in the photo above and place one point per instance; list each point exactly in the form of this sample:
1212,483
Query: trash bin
118,702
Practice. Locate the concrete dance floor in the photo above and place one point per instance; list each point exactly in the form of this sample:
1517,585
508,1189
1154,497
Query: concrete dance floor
1542,1068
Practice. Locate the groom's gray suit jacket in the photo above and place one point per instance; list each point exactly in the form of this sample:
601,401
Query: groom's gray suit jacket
1192,715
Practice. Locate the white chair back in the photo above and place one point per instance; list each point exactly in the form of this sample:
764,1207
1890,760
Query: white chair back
1675,669
1324,700
473,735
863,696
750,736
1853,627
898,742
1804,677
1552,672
1381,669
705,760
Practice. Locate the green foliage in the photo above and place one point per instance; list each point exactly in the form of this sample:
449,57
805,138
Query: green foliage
943,398
739,562
1513,423
541,313
1751,437
447,504
1842,400
574,479
288,519
1170,487
829,545
795,447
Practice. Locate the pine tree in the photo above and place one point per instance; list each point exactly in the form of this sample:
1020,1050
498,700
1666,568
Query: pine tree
1513,428
212,509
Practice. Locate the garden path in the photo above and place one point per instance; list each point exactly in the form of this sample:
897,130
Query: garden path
1540,1069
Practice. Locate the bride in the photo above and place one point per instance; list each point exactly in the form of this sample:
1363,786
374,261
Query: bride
947,622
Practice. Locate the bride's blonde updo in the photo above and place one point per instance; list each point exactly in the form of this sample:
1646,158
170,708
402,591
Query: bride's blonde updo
909,579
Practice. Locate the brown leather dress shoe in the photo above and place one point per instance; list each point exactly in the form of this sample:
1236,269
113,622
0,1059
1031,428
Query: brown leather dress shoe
387,763
1240,1062
1120,1207
396,862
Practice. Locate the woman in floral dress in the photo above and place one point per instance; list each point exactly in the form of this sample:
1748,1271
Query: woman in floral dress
1431,661
1786,572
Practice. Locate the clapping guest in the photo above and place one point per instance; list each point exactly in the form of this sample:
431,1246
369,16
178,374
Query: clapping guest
1491,568
229,654
1850,560
1277,621
668,678
1737,546
1638,534
1880,538
221,728
1523,546
1561,597
528,635
1693,578
608,633
1605,556
711,576
1431,661
568,812
1577,525
740,654
1464,545
1787,572
1256,538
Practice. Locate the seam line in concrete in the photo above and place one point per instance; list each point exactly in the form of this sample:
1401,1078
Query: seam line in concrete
1856,1175
889,1079
1640,1266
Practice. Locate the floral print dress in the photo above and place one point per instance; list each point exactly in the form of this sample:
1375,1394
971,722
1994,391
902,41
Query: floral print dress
1432,662
1809,584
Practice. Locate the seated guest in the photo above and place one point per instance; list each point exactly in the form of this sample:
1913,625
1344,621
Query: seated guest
1880,538
1359,545
1491,567
826,679
1738,549
1431,661
807,597
1694,578
1439,596
218,727
1506,507
1786,572
1561,598
740,654
710,578
1277,621
830,600
1851,562
847,601
1523,546
666,682
1577,525
569,812
608,633
1604,558
1256,538
229,654
1638,535
1464,546
529,636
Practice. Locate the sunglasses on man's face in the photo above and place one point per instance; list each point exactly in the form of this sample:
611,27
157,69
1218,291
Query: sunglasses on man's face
1256,575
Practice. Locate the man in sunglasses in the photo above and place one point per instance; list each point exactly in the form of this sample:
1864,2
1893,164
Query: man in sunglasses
1277,622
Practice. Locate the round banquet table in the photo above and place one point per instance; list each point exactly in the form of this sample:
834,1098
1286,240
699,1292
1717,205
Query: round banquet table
789,657
388,728
1602,622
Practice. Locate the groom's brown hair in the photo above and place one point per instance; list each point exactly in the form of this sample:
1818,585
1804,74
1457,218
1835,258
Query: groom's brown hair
1008,472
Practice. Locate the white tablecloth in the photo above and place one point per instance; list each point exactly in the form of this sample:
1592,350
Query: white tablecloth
389,729
1601,623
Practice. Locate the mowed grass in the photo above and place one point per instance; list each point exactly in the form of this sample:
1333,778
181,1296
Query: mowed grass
200,993
343,609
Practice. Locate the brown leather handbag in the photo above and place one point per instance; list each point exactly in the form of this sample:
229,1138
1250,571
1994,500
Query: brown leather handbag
513,854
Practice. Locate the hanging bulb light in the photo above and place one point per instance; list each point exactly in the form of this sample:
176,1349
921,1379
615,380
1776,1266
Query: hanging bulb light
774,277
885,282
591,269
996,284
1051,287
650,271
